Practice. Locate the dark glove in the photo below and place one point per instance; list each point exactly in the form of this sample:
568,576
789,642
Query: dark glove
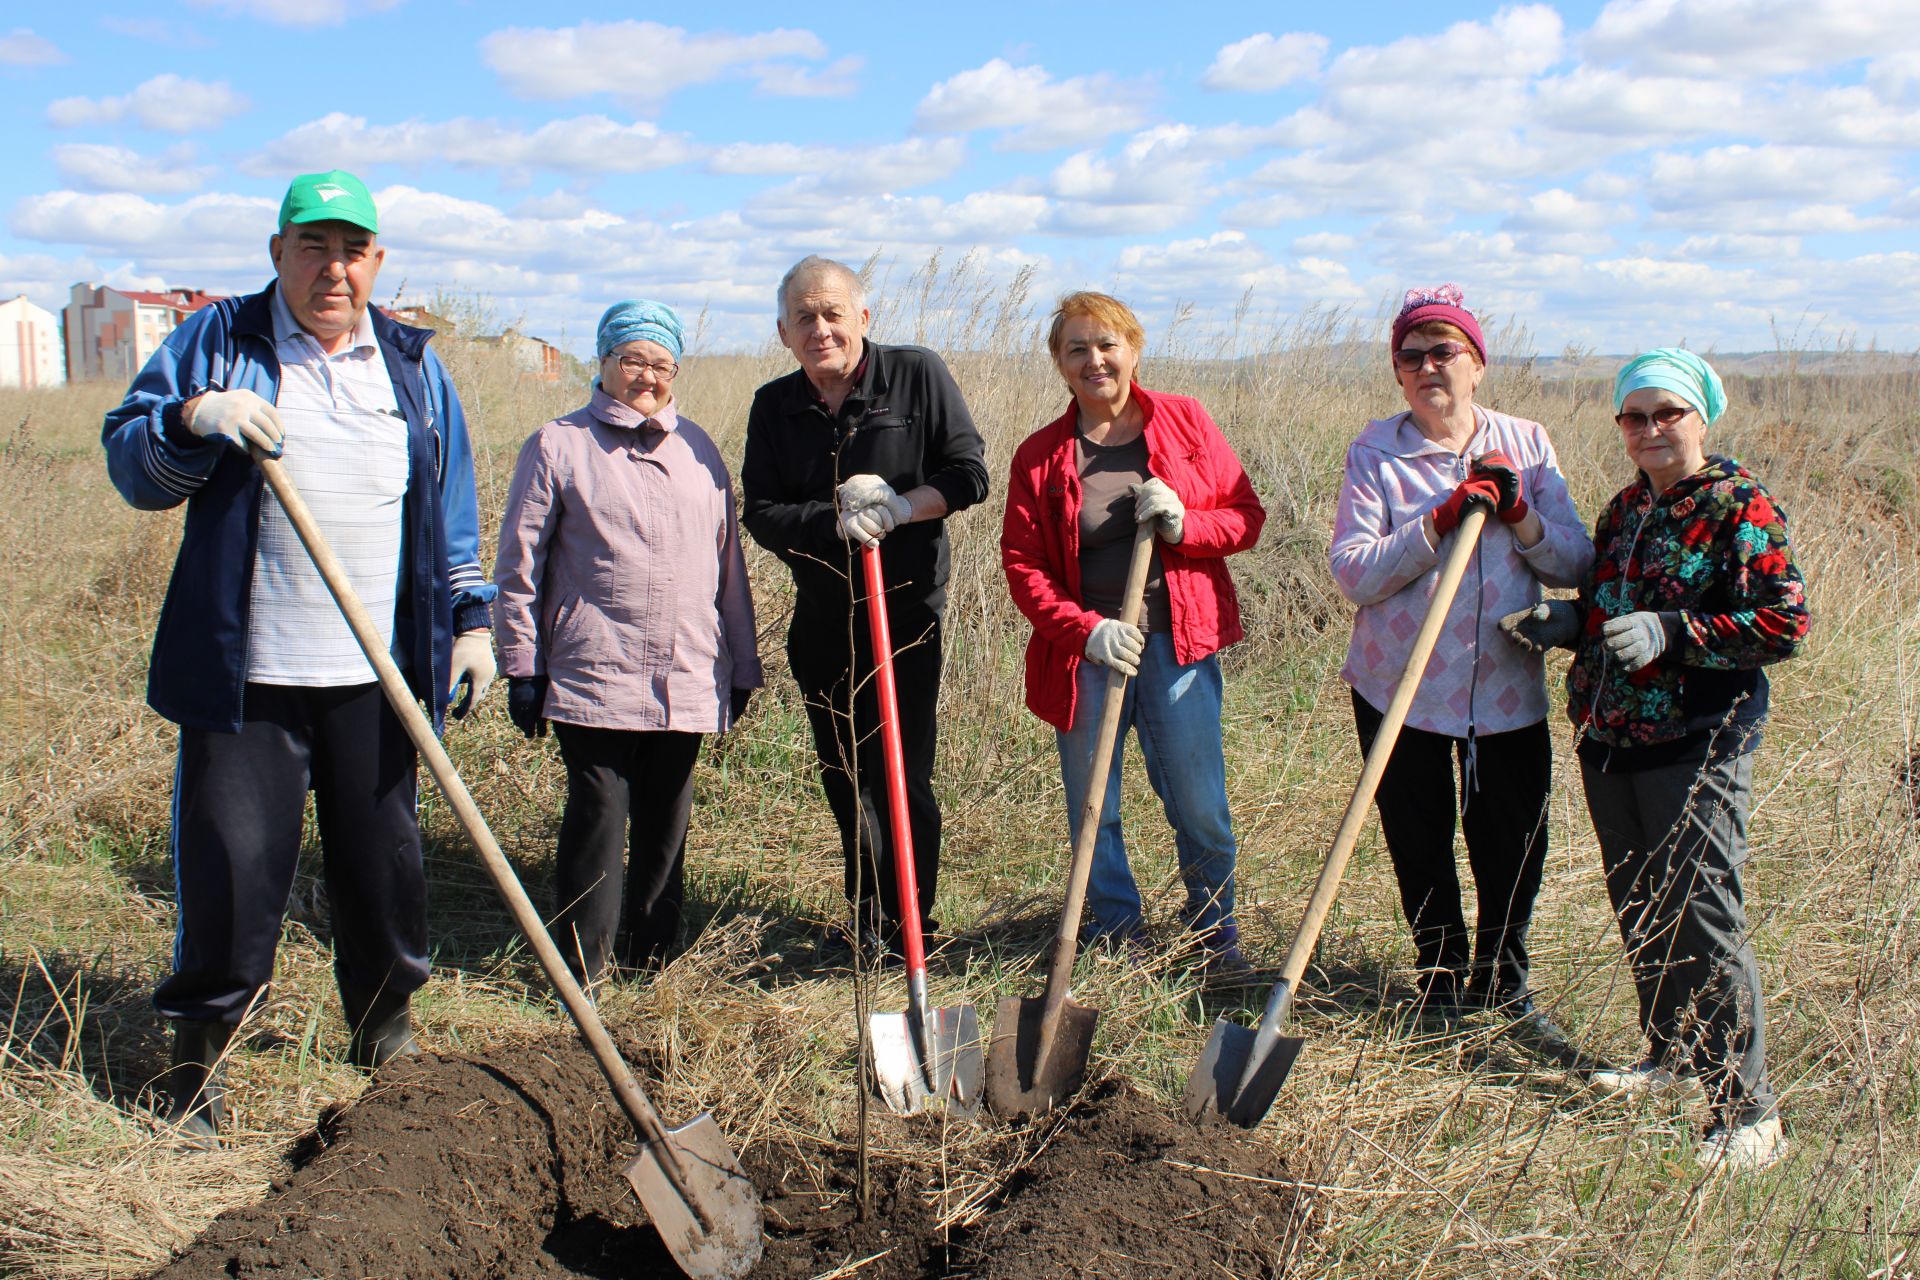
1511,506
739,706
1551,624
1446,516
526,697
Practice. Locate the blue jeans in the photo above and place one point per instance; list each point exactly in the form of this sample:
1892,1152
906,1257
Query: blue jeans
1176,712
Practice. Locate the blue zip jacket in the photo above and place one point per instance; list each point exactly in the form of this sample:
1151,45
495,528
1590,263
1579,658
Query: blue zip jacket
198,674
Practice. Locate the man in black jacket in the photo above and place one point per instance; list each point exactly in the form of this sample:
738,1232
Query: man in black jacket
862,444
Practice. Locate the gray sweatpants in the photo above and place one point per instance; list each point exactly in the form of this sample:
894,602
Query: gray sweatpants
1672,840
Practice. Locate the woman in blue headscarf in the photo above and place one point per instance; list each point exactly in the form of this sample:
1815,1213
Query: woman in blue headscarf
625,621
1693,592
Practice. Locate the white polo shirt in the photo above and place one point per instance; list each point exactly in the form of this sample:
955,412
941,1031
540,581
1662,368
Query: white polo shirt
346,447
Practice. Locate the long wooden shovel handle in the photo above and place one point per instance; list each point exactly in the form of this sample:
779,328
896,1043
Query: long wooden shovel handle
1328,886
414,720
1066,941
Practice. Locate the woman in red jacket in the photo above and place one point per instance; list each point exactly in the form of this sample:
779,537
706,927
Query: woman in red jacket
1121,456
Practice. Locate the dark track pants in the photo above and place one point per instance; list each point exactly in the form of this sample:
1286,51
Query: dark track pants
828,673
238,802
1672,840
617,776
1505,824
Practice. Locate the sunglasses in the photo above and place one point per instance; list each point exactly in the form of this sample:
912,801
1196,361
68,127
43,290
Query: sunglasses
1409,359
1641,423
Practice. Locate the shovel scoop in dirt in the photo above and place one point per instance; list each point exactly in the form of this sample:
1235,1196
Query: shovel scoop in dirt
925,1055
688,1180
1241,1070
1039,1052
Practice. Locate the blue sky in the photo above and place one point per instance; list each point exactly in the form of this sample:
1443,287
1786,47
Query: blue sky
1612,176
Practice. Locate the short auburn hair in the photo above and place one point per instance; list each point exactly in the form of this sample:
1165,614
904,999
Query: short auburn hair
1446,331
1102,307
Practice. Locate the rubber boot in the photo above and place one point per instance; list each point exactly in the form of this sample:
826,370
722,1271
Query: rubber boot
380,1027
195,1087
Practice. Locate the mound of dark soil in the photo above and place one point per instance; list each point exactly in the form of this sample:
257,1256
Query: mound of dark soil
510,1169
1121,1189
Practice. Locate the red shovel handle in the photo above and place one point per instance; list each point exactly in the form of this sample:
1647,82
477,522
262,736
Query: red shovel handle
910,940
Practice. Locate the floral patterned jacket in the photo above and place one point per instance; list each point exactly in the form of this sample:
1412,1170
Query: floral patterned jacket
1712,549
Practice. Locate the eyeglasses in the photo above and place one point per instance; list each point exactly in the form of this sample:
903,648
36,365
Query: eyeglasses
1640,423
634,366
1409,359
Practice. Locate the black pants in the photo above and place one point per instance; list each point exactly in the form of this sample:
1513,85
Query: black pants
843,710
615,776
1673,839
238,802
1503,812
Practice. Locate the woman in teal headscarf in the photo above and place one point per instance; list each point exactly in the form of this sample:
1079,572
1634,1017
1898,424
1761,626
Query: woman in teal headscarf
1693,592
624,620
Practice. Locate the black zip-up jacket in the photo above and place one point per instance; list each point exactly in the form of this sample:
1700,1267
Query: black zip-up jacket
906,423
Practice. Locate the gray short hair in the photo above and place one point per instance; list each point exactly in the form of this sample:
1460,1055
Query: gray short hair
812,268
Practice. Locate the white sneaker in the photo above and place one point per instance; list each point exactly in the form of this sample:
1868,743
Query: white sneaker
1745,1148
1646,1079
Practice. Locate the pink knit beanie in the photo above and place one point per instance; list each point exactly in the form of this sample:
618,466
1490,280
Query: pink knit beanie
1439,302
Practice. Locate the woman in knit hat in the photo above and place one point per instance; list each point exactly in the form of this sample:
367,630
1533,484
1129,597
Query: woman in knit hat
1482,702
625,620
1693,592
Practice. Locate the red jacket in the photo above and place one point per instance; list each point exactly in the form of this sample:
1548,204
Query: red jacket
1040,542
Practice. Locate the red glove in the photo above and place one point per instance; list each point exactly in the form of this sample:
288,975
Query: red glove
1446,516
1494,466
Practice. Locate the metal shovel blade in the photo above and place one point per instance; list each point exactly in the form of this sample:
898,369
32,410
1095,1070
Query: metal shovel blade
958,1076
897,1066
1015,1086
729,1246
959,1067
1214,1087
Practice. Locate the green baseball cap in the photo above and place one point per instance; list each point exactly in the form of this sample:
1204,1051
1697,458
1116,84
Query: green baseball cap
333,196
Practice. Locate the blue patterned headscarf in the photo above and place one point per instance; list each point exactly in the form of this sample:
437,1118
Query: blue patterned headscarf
1677,370
638,320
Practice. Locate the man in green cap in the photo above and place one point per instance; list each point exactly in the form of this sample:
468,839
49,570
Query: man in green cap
252,658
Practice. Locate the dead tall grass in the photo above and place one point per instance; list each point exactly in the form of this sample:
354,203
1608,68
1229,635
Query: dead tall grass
1438,1153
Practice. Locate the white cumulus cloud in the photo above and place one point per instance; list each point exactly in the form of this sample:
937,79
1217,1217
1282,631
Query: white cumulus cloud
1749,37
169,102
297,13
95,167
22,48
645,62
1040,112
1265,62
884,167
585,144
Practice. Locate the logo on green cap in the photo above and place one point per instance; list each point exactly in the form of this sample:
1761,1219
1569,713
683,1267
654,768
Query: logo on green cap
333,196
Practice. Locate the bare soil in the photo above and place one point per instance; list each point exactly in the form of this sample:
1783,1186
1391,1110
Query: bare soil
510,1169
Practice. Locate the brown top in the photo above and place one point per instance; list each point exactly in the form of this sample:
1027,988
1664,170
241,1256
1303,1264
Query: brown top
1106,531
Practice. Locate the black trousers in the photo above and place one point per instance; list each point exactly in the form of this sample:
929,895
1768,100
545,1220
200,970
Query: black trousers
238,802
1673,840
1505,822
617,776
835,678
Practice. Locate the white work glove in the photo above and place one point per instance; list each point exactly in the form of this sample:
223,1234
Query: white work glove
869,509
1635,639
1116,644
1551,624
1155,500
472,663
867,525
239,418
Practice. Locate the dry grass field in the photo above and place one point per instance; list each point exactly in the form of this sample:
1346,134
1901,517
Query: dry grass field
1432,1152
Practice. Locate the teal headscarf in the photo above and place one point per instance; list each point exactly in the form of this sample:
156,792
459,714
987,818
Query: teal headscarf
635,321
1677,370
